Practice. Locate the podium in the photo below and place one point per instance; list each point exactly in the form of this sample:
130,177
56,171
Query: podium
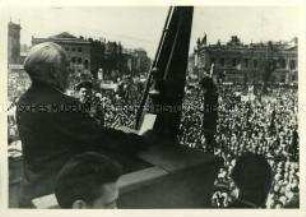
178,178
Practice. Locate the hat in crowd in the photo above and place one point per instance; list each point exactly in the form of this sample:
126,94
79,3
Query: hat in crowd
84,84
207,82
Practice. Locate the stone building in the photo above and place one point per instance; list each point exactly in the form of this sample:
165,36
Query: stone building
78,50
88,56
236,62
137,61
13,43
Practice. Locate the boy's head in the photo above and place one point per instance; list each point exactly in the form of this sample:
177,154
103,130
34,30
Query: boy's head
84,90
252,173
88,181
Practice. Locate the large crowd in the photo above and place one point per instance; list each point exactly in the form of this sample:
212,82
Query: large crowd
248,121
121,106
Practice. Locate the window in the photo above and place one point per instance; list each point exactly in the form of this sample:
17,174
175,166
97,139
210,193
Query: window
73,59
282,63
222,62
67,48
86,64
79,60
292,64
73,49
246,63
80,49
255,63
234,62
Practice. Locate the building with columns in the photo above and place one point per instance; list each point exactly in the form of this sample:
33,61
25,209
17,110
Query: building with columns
236,62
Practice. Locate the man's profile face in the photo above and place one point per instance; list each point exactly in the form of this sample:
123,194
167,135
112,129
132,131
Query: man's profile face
83,93
108,197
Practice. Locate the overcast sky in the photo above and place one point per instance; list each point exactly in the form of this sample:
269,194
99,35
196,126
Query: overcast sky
142,26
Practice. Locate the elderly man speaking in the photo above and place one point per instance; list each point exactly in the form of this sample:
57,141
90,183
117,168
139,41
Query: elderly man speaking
55,127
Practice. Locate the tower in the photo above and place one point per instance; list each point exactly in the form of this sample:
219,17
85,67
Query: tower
13,43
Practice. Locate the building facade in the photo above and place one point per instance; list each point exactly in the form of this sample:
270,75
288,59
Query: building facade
78,50
88,57
13,43
236,62
137,61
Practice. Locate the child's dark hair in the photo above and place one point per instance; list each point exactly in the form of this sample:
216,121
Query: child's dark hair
82,176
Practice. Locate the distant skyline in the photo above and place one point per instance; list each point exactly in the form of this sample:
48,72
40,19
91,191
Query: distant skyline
137,27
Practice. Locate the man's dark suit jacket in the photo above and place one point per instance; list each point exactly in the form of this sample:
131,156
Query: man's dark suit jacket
210,110
54,127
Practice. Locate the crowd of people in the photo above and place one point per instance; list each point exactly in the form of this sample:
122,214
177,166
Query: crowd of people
18,83
249,121
121,107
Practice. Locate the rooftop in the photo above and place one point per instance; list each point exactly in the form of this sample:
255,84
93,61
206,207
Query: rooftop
63,35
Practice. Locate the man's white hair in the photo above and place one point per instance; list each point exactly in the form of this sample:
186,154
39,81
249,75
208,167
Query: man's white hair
47,63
